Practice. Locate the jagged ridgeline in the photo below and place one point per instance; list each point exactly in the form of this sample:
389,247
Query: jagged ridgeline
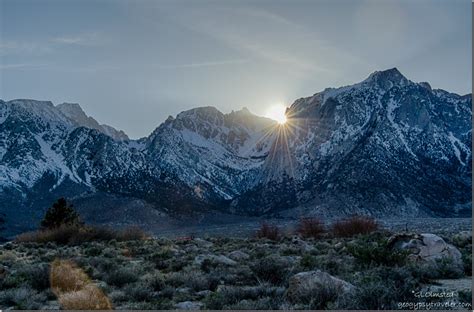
386,146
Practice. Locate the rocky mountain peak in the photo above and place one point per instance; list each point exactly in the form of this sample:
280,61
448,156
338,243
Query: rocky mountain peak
388,78
75,112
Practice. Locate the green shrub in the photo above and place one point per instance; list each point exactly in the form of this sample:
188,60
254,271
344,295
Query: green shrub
379,289
196,281
93,251
122,276
316,298
227,297
155,281
23,298
467,260
445,268
369,253
139,291
160,258
308,261
465,296
266,303
36,275
272,269
207,265
167,292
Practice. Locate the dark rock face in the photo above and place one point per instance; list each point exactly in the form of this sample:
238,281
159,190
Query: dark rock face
385,146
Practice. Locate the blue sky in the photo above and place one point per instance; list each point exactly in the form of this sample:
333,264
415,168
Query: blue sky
132,63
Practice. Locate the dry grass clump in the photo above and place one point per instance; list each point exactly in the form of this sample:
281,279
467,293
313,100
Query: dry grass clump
74,289
268,231
88,298
65,276
354,226
311,227
60,235
67,234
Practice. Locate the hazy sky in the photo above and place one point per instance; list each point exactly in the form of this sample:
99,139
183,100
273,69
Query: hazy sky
132,63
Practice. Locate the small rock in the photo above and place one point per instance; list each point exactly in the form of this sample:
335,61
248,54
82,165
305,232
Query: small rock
238,255
198,260
191,249
296,241
188,305
305,284
203,293
183,290
224,260
203,243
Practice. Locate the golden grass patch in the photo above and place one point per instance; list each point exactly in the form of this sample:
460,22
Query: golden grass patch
74,289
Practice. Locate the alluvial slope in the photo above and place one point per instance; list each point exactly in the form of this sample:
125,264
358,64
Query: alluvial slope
384,146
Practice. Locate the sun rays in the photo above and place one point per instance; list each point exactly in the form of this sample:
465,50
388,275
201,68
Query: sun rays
285,137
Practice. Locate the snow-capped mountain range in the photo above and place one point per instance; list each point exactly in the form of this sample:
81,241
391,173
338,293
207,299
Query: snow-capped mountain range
384,146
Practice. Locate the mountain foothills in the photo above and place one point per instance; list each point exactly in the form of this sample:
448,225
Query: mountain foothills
386,146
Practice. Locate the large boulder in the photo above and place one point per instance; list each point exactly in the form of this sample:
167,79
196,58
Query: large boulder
305,285
427,248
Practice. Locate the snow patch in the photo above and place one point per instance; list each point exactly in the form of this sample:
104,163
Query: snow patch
54,162
391,107
457,144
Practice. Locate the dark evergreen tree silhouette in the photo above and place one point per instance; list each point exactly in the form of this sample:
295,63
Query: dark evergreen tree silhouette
61,213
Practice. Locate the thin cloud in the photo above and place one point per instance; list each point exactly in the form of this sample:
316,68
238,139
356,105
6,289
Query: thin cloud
21,66
23,47
276,41
47,46
203,64
78,39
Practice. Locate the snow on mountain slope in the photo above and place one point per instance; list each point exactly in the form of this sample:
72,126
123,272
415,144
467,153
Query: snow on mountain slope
384,146
216,153
31,134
